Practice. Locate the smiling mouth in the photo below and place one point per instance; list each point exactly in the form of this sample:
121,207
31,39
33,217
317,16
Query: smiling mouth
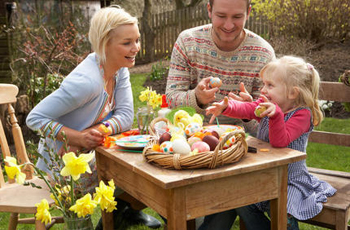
130,58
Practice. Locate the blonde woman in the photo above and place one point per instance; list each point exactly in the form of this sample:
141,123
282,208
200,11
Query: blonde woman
97,90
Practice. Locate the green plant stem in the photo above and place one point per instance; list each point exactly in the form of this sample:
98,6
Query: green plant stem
51,189
72,190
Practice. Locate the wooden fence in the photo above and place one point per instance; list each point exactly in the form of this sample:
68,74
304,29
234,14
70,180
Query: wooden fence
167,26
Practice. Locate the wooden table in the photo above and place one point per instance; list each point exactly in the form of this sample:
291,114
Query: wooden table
185,195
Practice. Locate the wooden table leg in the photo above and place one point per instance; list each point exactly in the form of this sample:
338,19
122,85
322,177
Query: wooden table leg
191,224
278,207
107,220
176,210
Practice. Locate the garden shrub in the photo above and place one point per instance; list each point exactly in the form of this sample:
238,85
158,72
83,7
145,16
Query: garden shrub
44,47
315,20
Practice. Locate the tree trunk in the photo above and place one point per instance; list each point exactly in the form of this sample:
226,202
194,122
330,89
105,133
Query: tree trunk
146,28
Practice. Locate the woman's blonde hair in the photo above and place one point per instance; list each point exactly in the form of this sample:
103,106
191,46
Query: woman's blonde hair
299,75
103,24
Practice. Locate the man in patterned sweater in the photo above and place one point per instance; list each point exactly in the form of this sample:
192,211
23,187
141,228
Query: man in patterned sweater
221,49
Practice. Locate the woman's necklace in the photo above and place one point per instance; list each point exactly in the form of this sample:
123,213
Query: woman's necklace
109,88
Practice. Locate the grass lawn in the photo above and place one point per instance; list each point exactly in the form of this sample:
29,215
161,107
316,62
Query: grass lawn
319,155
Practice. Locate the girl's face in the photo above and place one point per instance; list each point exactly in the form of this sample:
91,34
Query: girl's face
122,48
276,91
228,19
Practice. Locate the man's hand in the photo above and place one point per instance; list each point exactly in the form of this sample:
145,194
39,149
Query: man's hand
204,93
243,95
216,109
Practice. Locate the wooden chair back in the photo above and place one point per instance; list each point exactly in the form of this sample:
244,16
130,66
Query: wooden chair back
8,94
16,198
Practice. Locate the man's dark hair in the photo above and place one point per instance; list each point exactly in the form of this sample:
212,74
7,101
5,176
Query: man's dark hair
211,2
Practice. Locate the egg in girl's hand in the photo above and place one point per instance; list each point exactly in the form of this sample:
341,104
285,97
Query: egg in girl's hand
215,82
192,128
201,146
166,147
181,146
259,110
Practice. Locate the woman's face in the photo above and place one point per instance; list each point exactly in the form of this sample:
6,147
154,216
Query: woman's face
122,48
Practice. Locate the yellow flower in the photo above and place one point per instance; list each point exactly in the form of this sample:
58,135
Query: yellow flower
42,212
104,196
153,99
13,170
74,166
65,191
84,206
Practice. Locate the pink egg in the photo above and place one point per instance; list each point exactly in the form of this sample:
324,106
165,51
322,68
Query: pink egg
201,146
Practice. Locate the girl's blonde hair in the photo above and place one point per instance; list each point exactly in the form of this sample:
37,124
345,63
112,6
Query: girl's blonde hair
103,23
296,73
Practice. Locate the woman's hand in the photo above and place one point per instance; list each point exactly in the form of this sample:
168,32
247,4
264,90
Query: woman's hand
91,138
243,95
216,109
204,93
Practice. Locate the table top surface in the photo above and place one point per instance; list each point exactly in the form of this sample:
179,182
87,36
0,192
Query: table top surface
168,178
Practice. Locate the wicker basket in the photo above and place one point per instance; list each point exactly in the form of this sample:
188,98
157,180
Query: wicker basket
211,159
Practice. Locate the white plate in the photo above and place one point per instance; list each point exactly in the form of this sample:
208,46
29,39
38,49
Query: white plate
133,142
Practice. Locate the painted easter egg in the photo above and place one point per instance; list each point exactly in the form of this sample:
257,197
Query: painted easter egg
192,128
215,82
229,142
166,147
201,146
259,110
193,140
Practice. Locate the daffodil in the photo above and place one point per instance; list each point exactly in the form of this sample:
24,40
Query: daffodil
62,193
13,170
42,212
151,97
74,166
104,196
84,206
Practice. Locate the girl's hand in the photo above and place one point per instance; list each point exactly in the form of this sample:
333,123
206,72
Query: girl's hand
216,109
270,107
243,95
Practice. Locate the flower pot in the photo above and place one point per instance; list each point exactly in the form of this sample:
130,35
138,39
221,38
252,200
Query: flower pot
75,223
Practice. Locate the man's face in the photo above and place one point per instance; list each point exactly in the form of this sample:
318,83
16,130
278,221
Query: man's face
228,19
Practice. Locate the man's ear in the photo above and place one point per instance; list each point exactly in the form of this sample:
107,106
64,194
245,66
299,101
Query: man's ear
293,93
209,9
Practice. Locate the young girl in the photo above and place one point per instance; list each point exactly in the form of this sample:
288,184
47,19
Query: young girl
290,97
